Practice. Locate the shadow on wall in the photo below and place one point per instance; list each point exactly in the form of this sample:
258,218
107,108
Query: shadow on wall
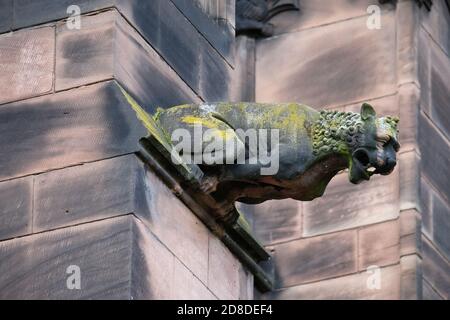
67,128
197,63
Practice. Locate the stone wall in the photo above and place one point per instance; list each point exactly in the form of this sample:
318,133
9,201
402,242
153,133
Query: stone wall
434,142
72,190
326,56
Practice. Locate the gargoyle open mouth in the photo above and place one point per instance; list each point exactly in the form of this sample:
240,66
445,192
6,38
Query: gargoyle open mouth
360,166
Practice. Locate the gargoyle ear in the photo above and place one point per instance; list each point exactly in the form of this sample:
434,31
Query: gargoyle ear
367,111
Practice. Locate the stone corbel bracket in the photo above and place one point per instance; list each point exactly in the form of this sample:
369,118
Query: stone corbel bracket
252,16
184,181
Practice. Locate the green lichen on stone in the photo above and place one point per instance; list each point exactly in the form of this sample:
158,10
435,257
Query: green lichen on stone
389,125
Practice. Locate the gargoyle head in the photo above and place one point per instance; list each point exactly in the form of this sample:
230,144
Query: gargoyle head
375,148
370,143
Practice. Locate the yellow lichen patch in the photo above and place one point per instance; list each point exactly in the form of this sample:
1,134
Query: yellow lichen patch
286,117
177,108
143,116
224,107
219,129
208,123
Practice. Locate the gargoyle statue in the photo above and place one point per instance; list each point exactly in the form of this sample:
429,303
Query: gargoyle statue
311,147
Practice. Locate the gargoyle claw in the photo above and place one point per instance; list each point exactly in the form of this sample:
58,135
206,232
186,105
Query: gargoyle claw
209,184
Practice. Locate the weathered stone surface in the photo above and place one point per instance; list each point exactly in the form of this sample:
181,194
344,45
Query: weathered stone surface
408,244
67,128
301,66
15,207
435,269
247,285
409,233
170,220
199,65
164,26
423,57
384,106
437,23
277,221
440,89
34,267
426,210
314,13
106,47
441,225
379,244
408,163
243,87
214,9
85,56
348,287
215,76
410,277
217,32
317,258
85,193
187,286
6,14
434,149
32,12
119,258
223,271
407,17
26,63
428,293
152,266
408,104
345,205
231,12
136,67
116,187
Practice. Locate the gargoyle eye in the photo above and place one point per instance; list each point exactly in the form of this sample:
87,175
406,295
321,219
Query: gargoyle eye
396,145
383,139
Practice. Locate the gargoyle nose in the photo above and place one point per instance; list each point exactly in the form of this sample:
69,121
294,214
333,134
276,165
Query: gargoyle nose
388,166
390,163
